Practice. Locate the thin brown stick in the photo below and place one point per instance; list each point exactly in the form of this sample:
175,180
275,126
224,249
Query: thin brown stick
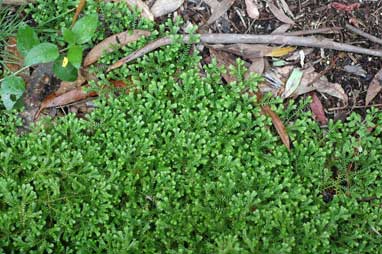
286,40
140,52
364,34
251,39
355,107
325,30
367,199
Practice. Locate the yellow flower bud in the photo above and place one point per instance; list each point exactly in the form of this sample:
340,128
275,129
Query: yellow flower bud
65,62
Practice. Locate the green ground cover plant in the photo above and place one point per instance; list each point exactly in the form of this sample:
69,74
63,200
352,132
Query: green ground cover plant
186,164
66,63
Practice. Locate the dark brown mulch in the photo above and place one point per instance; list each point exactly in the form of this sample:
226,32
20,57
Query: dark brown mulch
312,14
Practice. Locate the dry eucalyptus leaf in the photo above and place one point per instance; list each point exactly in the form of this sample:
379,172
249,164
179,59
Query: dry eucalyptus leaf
250,51
278,124
69,97
66,86
111,43
252,9
374,88
282,29
279,14
322,86
164,7
219,10
225,60
286,8
318,109
277,77
257,66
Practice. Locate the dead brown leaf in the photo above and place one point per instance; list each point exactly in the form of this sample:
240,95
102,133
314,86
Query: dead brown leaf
322,85
250,51
282,29
279,14
141,6
374,88
318,109
286,8
219,10
110,43
163,7
13,60
224,59
69,97
67,86
257,66
278,124
252,9
309,83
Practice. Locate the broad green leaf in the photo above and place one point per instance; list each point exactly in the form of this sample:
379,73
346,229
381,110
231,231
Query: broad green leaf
75,55
26,39
11,90
42,53
84,28
293,82
64,70
69,36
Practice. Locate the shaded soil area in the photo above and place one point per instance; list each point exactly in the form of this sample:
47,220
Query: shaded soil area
313,15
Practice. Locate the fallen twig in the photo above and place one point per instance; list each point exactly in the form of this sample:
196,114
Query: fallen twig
325,30
355,107
250,39
364,34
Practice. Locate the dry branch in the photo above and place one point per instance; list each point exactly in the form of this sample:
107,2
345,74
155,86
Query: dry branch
251,39
364,34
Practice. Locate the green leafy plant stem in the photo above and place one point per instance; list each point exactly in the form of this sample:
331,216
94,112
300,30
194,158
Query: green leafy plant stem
17,72
55,18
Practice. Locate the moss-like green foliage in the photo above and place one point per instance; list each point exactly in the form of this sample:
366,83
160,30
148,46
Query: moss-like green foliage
114,17
185,164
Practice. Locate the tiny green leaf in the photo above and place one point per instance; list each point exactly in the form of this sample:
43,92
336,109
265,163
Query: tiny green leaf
69,36
64,70
42,53
85,27
12,88
75,55
26,39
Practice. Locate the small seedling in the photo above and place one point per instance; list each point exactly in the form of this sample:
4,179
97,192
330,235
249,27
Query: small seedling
66,61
